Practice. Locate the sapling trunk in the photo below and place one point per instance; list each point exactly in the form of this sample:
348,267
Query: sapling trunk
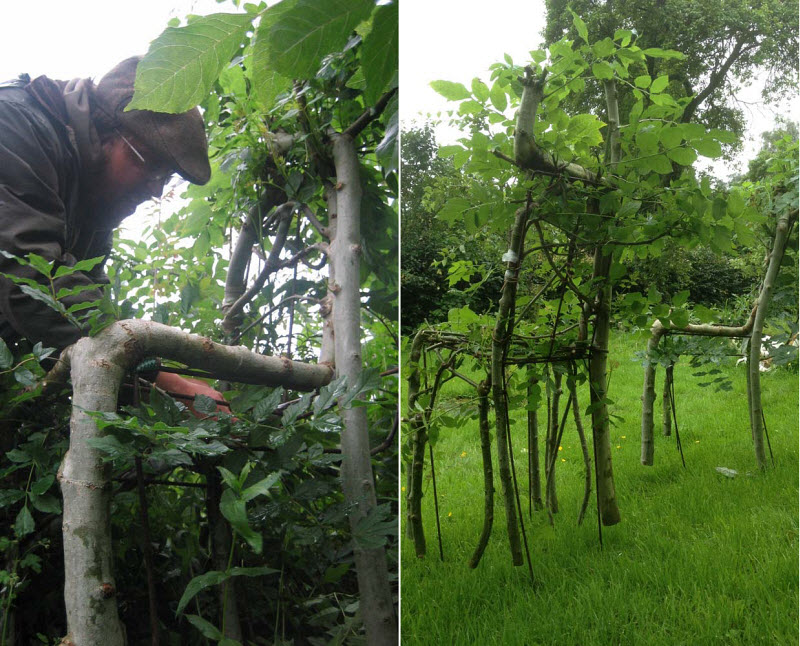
419,437
785,222
649,395
576,412
499,344
598,380
533,452
488,480
551,447
666,401
358,483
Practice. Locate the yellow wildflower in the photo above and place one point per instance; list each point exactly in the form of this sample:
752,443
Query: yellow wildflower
402,488
463,454
560,448
449,513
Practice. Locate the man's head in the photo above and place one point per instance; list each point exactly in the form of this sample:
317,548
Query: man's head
144,148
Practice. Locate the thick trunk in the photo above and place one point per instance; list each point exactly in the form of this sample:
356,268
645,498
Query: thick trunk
89,586
98,365
357,478
499,344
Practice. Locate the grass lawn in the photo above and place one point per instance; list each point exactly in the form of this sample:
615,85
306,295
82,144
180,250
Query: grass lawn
698,558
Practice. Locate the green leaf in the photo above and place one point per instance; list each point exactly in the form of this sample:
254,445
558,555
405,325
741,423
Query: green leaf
215,577
267,81
10,496
629,208
47,504
387,152
178,70
683,156
261,488
680,298
660,164
379,52
24,525
450,90
657,52
585,128
44,267
602,70
498,97
679,318
309,30
707,147
480,90
624,36
234,510
42,485
580,26
603,48
736,202
204,405
671,136
208,629
659,84
453,210
6,358
642,81
470,107
86,265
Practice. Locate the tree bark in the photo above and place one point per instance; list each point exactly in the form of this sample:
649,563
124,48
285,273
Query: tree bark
534,473
666,401
499,344
785,222
419,437
551,448
488,479
649,395
357,478
98,365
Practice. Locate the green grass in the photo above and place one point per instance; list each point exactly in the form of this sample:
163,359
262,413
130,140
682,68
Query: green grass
698,559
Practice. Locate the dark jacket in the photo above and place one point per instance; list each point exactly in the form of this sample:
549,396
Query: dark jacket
42,209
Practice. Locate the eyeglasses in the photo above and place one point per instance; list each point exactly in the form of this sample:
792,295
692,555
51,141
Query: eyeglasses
160,177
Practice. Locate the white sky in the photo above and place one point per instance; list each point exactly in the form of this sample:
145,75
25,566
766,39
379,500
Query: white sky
443,40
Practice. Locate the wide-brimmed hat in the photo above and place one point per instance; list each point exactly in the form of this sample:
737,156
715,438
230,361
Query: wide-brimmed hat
178,139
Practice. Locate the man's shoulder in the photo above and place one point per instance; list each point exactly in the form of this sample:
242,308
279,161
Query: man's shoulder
20,82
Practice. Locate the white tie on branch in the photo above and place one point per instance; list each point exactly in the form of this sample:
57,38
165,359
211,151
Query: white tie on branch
98,365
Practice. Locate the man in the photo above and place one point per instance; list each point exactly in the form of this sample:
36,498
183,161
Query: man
73,165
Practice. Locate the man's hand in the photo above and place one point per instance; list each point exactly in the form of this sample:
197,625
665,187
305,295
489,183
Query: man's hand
185,390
